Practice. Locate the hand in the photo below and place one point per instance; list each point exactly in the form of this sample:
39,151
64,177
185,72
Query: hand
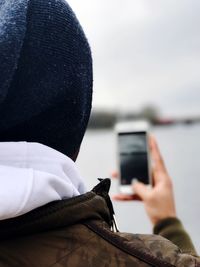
158,200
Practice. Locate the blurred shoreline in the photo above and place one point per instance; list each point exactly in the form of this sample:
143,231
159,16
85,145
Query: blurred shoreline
106,119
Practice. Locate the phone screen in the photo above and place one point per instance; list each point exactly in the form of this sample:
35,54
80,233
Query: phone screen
133,157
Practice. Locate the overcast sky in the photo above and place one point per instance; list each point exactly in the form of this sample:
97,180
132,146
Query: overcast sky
144,51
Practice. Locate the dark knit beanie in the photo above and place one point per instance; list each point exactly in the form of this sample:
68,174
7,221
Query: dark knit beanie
45,74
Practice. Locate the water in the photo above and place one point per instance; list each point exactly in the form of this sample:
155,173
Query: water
180,146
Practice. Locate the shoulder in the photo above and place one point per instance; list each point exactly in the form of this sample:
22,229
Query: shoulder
152,249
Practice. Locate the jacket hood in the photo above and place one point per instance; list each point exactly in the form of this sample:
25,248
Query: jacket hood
32,175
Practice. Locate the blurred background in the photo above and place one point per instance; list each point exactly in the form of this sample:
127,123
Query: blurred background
146,65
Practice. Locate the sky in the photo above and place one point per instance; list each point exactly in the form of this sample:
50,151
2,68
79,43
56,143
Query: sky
145,52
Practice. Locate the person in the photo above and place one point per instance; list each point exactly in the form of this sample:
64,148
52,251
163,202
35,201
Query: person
47,217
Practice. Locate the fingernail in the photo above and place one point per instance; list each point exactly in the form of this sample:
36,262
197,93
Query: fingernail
134,181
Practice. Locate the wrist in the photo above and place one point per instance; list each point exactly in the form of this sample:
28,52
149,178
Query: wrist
166,223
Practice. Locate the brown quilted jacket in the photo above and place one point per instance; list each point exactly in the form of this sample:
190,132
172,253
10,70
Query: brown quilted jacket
76,233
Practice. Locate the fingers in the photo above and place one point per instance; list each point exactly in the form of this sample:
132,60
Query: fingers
123,197
141,190
114,174
159,171
156,155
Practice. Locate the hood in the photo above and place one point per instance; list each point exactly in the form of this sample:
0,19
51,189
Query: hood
32,175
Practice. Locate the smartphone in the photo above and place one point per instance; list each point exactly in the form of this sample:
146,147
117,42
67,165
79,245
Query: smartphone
133,154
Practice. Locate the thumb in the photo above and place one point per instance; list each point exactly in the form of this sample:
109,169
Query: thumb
141,190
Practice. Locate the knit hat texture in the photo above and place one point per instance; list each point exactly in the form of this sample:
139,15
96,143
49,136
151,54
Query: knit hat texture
45,74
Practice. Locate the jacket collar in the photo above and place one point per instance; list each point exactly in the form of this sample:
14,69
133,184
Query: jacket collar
90,206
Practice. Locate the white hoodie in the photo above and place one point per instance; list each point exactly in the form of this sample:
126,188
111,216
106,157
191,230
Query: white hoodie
32,175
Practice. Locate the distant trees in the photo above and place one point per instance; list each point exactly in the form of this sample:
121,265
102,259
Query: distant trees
150,113
107,119
102,119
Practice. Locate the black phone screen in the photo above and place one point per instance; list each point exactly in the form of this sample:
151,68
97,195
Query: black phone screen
133,157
